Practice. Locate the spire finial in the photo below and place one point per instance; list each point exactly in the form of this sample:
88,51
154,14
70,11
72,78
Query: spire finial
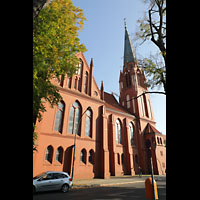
124,22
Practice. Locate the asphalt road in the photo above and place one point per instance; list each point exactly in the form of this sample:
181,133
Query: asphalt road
129,191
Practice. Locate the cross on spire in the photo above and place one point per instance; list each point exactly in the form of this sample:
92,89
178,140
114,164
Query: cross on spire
124,22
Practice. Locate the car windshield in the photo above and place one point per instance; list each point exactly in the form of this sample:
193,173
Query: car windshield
39,175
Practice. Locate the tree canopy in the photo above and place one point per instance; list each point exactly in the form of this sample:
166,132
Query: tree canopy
55,45
153,27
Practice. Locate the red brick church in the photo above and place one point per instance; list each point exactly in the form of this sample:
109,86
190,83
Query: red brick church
111,135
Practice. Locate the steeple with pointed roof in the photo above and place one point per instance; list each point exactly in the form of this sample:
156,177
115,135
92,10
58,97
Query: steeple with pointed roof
129,52
132,83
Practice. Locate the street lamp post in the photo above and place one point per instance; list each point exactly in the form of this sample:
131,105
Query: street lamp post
75,141
152,148
152,177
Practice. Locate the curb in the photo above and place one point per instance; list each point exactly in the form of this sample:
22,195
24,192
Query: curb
85,186
104,184
109,184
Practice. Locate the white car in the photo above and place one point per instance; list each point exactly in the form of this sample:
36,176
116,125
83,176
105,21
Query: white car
52,180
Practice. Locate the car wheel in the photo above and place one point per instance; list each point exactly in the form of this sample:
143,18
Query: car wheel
65,188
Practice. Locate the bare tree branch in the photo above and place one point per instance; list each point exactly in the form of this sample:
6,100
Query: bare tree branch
146,93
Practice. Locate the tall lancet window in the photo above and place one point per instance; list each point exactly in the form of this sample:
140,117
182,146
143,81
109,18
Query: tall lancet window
75,113
133,103
86,82
128,79
88,123
118,132
135,84
131,129
80,67
128,100
59,117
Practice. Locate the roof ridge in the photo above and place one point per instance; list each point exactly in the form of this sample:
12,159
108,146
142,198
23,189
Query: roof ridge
117,105
150,129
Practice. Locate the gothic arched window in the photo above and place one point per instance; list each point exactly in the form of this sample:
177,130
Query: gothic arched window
83,156
91,156
160,140
59,154
131,129
128,101
118,159
88,123
118,132
80,67
69,82
74,117
86,82
75,83
59,117
49,154
128,79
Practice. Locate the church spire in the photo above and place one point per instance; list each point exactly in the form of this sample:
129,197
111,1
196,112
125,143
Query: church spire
129,52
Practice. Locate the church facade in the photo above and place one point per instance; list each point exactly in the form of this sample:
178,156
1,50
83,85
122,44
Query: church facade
91,134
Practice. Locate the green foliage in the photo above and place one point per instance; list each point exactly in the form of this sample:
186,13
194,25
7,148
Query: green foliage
55,44
155,71
153,27
144,30
34,139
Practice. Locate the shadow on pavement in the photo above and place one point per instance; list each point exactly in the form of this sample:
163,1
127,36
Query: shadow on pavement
99,193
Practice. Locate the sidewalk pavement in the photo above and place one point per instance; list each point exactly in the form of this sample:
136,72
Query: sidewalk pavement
98,182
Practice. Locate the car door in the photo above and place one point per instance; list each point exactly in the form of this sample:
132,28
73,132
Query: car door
45,182
58,181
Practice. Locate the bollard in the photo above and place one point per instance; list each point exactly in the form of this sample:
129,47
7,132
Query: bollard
149,189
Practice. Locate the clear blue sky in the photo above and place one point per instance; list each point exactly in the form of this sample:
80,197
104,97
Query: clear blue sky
103,36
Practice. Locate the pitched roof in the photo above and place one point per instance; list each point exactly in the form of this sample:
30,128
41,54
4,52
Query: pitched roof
150,129
112,103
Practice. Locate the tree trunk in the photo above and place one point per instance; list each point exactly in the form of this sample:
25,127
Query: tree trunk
38,5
